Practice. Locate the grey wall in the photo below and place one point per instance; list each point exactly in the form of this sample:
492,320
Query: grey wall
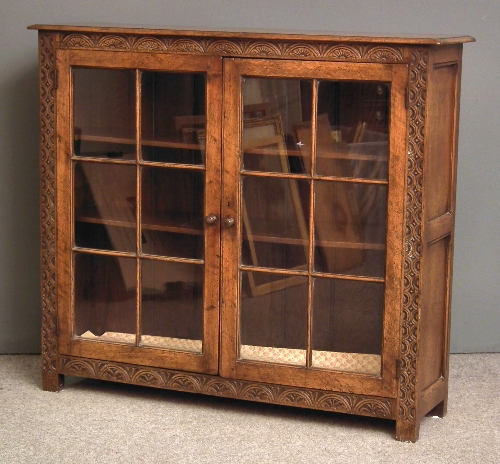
476,289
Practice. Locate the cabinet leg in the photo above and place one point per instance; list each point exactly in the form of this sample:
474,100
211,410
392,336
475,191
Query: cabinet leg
407,430
52,381
439,410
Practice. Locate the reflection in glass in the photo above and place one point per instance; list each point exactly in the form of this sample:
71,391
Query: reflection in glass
274,218
104,113
172,305
105,206
173,117
273,324
350,228
347,325
172,212
272,108
352,129
105,298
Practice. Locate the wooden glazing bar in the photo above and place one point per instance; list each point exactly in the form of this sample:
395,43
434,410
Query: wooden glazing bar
155,164
356,180
290,272
348,277
172,259
138,202
281,175
310,281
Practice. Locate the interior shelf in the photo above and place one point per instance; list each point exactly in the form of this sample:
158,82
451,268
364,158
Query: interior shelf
150,143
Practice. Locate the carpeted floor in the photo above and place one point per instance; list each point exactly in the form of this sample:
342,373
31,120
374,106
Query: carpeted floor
98,422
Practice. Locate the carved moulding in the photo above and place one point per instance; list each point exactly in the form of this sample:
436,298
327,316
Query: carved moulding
407,412
229,388
235,47
48,210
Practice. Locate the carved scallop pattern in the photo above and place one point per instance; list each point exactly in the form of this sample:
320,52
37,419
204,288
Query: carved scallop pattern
413,238
263,49
335,402
114,42
77,41
212,385
115,373
383,54
373,408
301,51
220,388
186,46
258,393
81,368
186,382
296,397
48,210
344,52
150,44
148,378
224,47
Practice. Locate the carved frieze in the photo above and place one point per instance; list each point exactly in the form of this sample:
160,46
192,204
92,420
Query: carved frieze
236,47
229,388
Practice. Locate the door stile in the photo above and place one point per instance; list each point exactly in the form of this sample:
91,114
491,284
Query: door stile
213,181
138,204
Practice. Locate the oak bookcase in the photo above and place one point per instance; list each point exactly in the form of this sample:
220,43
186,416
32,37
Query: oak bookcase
263,216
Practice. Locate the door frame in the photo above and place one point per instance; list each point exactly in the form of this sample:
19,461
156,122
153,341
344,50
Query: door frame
207,361
231,365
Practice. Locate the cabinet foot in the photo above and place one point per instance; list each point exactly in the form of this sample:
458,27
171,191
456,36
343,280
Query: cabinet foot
52,381
407,430
439,410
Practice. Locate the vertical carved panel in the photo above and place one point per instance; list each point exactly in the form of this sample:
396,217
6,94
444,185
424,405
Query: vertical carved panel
47,209
407,420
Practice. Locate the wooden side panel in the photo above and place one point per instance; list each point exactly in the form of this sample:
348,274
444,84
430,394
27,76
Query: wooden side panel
433,315
443,95
441,140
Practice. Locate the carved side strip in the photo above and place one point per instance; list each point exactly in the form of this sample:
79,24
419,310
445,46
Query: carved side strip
48,209
411,299
234,47
229,388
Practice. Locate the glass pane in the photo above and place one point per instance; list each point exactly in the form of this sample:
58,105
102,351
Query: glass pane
172,305
352,129
104,113
173,117
347,325
105,298
275,227
274,135
273,319
172,212
105,206
350,228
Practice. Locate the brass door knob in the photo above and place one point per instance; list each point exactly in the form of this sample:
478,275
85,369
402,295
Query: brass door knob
228,222
211,219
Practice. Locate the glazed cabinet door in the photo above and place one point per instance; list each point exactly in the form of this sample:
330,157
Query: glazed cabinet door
138,163
314,155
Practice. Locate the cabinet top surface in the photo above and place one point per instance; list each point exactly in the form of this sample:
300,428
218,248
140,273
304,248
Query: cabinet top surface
409,39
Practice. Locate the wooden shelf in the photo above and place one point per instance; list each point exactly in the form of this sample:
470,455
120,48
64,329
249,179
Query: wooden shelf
166,226
335,155
150,143
322,243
